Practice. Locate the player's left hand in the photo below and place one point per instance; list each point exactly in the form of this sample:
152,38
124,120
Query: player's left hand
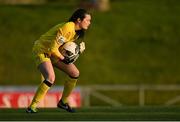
82,47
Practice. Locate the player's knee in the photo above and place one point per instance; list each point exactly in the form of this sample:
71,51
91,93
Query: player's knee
51,78
74,74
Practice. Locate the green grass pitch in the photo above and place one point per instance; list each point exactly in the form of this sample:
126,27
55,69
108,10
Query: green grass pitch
95,114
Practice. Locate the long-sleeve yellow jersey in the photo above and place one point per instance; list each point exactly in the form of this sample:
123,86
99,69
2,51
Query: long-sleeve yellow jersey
50,42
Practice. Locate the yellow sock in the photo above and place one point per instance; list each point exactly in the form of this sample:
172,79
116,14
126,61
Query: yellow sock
42,78
40,93
68,87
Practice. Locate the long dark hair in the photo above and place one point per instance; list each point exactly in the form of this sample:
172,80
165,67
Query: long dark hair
79,13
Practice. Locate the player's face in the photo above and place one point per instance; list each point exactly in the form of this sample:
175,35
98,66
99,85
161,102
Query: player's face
86,22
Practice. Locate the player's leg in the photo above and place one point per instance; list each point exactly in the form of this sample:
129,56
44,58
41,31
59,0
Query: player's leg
47,71
70,83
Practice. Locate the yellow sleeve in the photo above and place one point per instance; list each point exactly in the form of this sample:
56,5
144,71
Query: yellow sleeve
55,52
64,34
67,32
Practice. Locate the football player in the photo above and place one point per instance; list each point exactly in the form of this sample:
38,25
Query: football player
47,56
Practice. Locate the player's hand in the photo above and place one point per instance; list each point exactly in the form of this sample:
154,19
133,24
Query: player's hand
82,47
61,57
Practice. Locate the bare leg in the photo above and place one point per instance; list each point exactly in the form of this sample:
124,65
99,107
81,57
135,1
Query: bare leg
69,69
70,83
47,71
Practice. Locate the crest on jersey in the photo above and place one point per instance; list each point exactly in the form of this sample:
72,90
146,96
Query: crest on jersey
61,40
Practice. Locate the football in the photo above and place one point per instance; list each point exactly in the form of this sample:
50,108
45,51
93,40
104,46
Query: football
69,50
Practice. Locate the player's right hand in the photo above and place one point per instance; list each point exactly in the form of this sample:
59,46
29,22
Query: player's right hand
82,47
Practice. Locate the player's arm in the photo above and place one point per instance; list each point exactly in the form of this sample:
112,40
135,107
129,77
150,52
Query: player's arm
61,38
57,54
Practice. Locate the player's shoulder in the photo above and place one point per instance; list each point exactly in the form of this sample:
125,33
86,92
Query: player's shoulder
69,25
